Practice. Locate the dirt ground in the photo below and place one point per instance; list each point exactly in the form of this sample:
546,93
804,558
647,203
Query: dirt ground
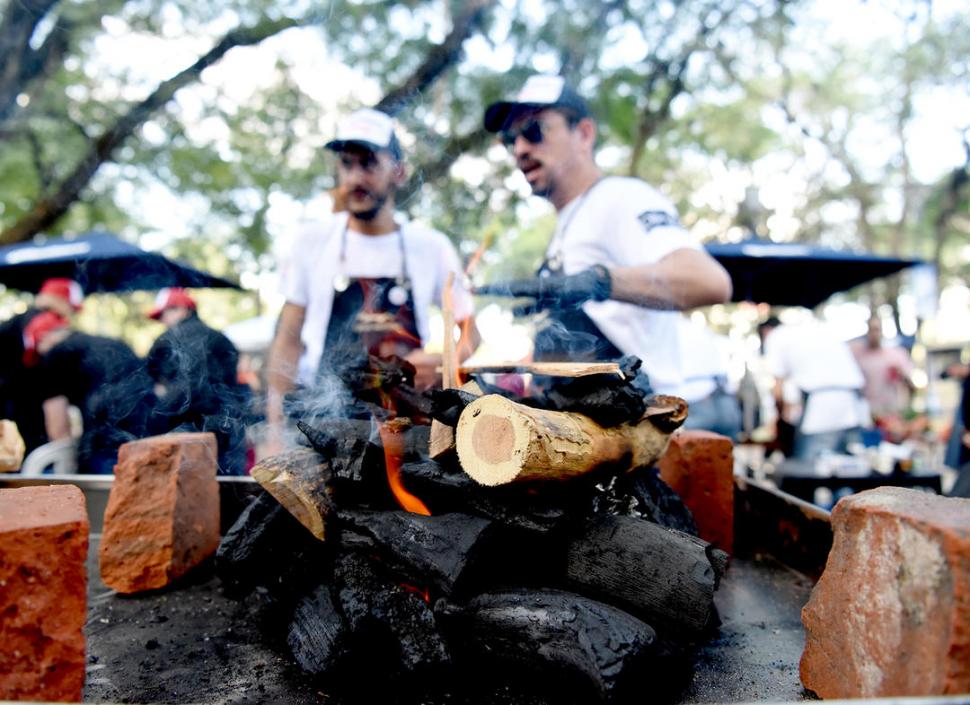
192,644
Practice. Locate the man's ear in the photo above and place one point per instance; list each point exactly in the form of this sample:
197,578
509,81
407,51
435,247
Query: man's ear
587,132
400,174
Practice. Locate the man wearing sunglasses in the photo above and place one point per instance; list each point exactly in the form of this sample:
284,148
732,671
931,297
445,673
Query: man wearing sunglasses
619,265
363,281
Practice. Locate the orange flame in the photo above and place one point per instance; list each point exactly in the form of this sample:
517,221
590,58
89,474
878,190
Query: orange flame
393,441
425,594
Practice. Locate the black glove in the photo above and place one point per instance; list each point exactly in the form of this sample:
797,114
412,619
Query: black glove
556,291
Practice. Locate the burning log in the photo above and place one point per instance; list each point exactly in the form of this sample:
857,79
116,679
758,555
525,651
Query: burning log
553,631
500,441
440,551
660,575
359,621
513,506
381,612
302,483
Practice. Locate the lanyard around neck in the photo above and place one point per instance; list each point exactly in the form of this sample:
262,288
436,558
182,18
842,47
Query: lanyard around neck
553,261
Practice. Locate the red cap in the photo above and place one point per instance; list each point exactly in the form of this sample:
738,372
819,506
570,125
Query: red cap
61,288
38,329
171,297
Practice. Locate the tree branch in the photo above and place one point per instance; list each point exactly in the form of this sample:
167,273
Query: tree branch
439,59
49,208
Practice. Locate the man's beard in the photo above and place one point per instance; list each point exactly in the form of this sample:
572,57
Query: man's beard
369,214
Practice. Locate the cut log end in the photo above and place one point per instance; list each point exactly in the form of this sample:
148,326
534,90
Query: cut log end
299,481
492,440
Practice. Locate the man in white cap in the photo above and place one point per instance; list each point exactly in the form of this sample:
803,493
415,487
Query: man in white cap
363,281
620,264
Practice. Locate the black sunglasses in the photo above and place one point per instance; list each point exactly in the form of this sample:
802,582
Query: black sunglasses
531,130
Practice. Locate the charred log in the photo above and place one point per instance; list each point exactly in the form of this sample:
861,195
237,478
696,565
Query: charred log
660,575
552,632
318,636
516,506
434,551
447,404
249,553
379,610
642,493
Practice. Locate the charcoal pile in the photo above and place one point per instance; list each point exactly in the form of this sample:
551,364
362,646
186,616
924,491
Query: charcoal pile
536,544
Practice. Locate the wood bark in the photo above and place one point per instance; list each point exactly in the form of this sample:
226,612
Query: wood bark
662,576
551,632
302,483
500,441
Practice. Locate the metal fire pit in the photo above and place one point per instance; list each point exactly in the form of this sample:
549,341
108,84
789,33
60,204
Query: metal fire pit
190,643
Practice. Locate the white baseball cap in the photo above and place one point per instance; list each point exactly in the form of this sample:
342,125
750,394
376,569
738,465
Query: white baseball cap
368,128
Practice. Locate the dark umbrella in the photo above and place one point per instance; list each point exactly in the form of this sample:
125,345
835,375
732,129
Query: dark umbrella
795,274
98,262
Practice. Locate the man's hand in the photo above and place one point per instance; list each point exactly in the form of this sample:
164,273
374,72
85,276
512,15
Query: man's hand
555,291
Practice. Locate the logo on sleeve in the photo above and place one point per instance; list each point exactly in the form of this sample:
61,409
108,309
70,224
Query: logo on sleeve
658,219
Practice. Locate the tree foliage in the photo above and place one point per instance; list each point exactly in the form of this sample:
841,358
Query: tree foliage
108,107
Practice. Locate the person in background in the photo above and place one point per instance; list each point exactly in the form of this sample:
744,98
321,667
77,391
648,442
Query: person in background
363,281
713,406
619,265
194,370
101,376
18,388
887,370
824,371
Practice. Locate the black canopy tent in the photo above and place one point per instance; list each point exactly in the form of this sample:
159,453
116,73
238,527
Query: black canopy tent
797,274
99,262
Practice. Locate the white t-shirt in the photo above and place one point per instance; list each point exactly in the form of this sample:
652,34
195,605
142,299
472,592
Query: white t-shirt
704,360
308,275
818,363
624,222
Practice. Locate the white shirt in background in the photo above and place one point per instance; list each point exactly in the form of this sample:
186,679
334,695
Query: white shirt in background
817,362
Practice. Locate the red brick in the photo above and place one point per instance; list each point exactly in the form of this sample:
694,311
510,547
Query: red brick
43,593
699,466
162,517
890,615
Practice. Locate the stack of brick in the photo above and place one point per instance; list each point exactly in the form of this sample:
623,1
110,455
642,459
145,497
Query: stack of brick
162,517
699,466
890,615
43,593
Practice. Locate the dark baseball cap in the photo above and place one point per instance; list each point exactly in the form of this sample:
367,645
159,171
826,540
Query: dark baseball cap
367,128
538,93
